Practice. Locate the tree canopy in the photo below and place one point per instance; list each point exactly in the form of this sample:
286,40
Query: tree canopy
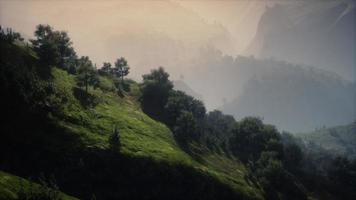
54,48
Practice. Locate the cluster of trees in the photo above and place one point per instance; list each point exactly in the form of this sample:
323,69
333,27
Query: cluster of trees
120,70
277,161
54,48
9,36
181,112
320,170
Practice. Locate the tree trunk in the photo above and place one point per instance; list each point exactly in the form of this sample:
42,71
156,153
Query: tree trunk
86,82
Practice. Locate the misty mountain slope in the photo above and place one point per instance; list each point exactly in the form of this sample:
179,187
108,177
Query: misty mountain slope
341,140
320,34
182,86
295,98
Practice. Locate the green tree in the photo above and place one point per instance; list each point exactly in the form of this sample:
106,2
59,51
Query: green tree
54,48
106,69
9,35
87,74
178,102
114,140
185,128
155,91
251,137
269,169
219,126
293,157
121,68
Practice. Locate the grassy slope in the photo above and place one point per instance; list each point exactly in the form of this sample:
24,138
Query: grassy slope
340,139
140,135
10,185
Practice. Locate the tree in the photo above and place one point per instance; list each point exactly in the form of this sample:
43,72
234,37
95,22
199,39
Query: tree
185,127
105,69
121,68
293,157
54,47
178,102
9,35
155,91
114,140
251,137
86,73
219,125
68,56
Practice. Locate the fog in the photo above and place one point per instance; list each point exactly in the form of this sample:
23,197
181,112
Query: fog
147,33
215,47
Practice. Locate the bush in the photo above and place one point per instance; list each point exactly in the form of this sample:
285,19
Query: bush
46,190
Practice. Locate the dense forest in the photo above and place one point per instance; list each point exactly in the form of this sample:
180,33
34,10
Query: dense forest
72,129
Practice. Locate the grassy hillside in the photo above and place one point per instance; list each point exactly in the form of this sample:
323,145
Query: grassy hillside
340,139
71,141
10,186
72,144
140,135
64,128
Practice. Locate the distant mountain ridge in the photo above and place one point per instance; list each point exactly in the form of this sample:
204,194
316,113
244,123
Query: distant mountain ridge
321,34
295,98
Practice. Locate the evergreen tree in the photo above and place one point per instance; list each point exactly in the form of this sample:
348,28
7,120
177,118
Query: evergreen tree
121,68
54,47
87,74
106,69
114,140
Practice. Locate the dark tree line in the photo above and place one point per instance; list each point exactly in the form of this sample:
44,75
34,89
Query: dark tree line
278,162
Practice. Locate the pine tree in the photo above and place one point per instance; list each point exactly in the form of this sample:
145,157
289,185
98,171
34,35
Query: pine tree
114,140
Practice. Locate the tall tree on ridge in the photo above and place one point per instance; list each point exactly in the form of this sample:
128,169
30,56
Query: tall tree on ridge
121,68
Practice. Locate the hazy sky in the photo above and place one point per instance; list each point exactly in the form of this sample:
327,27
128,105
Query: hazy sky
147,33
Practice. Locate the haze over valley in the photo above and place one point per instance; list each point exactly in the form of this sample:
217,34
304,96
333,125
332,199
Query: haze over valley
178,99
212,51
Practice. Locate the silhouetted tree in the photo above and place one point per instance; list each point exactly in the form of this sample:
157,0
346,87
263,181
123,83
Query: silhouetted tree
155,90
9,35
114,140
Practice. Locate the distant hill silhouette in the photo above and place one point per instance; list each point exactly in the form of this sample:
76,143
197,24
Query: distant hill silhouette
320,34
295,98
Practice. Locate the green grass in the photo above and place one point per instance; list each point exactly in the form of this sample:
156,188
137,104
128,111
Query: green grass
10,185
140,135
